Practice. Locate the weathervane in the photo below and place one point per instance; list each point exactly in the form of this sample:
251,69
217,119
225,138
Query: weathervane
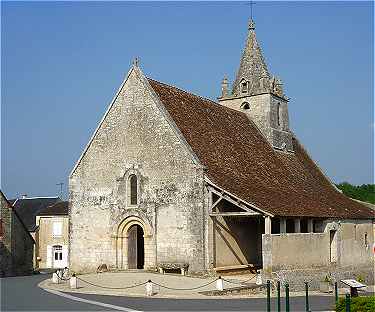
251,9
251,22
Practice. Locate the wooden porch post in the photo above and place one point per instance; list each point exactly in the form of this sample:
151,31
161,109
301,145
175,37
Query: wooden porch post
282,225
267,225
297,225
310,226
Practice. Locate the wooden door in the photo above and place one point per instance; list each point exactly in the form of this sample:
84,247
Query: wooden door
132,247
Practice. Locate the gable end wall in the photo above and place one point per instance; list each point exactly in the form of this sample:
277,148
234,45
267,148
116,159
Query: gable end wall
135,136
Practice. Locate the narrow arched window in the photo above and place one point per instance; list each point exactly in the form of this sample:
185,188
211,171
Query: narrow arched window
278,115
133,183
244,86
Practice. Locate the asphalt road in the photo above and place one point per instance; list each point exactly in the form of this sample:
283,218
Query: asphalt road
23,294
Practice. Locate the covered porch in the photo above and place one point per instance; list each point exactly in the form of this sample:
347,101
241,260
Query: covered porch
235,230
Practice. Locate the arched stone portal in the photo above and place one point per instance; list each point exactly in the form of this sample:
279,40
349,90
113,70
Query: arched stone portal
133,246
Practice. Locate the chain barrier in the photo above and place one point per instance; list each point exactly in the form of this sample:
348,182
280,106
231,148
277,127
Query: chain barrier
62,278
193,288
108,287
239,283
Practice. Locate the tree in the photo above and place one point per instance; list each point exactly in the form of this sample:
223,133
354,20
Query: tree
364,192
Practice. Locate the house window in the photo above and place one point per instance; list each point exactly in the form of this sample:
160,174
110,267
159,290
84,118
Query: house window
57,229
57,250
245,106
133,183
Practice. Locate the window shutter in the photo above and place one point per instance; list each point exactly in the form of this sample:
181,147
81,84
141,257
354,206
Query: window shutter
64,256
49,256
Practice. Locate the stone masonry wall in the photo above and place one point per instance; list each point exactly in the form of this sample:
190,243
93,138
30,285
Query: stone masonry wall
16,245
6,239
263,111
136,137
300,257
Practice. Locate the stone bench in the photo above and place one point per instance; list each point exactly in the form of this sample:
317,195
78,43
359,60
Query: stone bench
173,266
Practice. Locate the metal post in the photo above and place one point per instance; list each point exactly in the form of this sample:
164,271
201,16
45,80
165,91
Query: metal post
307,296
287,307
336,293
347,303
278,297
268,296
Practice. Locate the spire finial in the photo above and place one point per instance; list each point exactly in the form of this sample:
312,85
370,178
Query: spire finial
251,9
136,61
251,22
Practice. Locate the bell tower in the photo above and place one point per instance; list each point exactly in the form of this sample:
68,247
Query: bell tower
259,95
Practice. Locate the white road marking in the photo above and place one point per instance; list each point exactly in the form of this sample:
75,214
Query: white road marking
106,305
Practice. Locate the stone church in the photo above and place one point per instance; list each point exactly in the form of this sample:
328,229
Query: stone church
170,177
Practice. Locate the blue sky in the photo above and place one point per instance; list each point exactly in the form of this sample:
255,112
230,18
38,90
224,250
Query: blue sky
62,62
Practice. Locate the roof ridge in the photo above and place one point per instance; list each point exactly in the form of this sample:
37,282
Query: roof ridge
196,95
41,197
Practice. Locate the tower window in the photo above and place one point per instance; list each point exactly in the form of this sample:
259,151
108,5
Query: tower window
245,105
244,86
278,114
133,188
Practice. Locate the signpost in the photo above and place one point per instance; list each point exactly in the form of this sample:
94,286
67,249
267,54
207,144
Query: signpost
354,286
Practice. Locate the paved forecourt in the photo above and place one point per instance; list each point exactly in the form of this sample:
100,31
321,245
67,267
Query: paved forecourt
132,284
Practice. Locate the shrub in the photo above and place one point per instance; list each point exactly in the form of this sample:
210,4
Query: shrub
358,304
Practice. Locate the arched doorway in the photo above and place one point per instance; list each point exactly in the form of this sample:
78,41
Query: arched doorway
136,250
142,247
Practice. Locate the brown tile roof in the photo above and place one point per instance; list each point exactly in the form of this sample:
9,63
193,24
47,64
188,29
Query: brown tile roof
241,161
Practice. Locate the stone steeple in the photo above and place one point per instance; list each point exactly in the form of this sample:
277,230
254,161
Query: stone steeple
253,76
252,68
259,94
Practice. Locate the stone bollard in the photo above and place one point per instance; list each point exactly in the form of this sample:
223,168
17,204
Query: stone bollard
149,288
55,278
73,282
219,284
258,279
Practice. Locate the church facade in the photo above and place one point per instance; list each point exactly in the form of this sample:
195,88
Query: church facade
172,178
